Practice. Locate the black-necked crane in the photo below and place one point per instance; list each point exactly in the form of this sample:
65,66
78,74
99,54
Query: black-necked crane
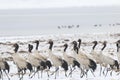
84,56
85,62
72,62
93,53
96,56
79,50
108,60
42,57
20,62
35,62
57,61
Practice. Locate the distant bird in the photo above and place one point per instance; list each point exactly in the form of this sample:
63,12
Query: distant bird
57,61
3,67
85,62
20,62
72,62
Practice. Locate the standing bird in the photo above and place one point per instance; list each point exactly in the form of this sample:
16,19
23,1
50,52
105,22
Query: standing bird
85,62
40,56
83,55
57,61
35,62
108,60
72,62
93,53
96,56
20,62
3,67
80,52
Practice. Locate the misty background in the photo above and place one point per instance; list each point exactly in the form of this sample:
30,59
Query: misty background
36,19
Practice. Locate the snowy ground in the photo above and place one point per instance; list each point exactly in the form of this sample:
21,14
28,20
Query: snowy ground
7,42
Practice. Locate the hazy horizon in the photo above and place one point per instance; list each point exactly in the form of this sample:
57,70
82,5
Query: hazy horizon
37,21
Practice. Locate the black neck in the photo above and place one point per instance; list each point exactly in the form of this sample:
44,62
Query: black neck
94,46
37,44
66,46
75,48
30,47
117,47
51,45
79,44
103,47
16,48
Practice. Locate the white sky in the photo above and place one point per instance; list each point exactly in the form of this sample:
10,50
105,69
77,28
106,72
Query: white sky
13,4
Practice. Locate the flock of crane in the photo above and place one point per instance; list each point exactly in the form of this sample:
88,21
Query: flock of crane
36,62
